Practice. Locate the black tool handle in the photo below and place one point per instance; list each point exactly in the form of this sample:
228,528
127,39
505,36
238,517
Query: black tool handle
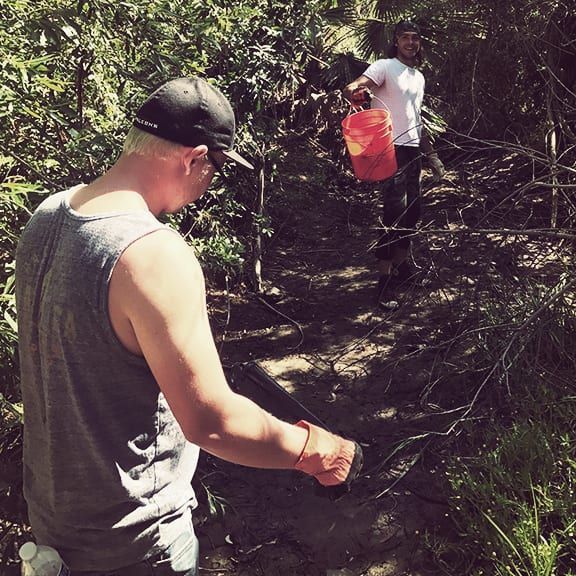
276,400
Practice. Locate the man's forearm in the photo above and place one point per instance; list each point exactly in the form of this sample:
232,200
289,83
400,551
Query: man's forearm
359,83
432,158
245,434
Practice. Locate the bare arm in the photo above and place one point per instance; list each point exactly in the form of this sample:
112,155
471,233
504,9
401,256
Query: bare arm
358,86
158,307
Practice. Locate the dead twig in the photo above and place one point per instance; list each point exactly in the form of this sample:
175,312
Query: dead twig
291,320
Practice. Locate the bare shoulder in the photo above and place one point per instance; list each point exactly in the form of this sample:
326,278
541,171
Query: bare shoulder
160,256
161,249
158,270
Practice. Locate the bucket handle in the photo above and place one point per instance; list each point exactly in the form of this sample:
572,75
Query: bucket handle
355,110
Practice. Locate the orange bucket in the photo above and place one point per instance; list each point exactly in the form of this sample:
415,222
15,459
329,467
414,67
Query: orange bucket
370,144
368,118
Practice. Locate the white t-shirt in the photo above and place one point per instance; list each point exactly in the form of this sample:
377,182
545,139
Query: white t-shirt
401,88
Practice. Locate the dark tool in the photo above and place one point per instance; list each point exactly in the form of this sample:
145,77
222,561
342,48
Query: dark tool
250,380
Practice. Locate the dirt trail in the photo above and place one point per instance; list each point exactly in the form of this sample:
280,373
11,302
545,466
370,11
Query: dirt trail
361,370
380,377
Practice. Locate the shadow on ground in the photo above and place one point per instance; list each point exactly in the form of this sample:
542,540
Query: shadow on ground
396,381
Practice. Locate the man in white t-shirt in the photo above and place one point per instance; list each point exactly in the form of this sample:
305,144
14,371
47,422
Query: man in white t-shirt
396,84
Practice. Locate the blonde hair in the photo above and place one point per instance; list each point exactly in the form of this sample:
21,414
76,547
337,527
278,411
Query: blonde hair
145,144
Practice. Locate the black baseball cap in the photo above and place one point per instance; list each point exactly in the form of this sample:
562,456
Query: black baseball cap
406,26
191,112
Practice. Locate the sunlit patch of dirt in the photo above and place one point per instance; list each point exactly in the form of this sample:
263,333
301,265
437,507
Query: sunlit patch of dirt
389,379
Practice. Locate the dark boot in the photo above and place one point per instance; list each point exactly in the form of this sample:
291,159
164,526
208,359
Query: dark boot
405,273
386,297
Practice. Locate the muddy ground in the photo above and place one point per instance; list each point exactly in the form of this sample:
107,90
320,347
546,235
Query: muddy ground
380,377
392,380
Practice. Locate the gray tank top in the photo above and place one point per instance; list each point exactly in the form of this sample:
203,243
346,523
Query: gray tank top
107,470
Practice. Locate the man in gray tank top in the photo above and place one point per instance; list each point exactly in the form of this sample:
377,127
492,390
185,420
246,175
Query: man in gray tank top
121,380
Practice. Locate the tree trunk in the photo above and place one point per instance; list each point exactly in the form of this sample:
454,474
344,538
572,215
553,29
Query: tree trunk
257,247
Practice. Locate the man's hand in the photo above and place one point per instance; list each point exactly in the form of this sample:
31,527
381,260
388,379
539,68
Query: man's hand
329,458
360,96
438,169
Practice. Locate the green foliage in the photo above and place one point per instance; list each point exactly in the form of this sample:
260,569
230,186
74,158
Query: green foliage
488,65
514,498
514,484
13,198
73,73
14,195
216,504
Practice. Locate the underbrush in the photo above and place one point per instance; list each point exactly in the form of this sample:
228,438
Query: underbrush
512,486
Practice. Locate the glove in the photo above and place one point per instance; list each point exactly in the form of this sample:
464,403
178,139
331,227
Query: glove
329,458
436,166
